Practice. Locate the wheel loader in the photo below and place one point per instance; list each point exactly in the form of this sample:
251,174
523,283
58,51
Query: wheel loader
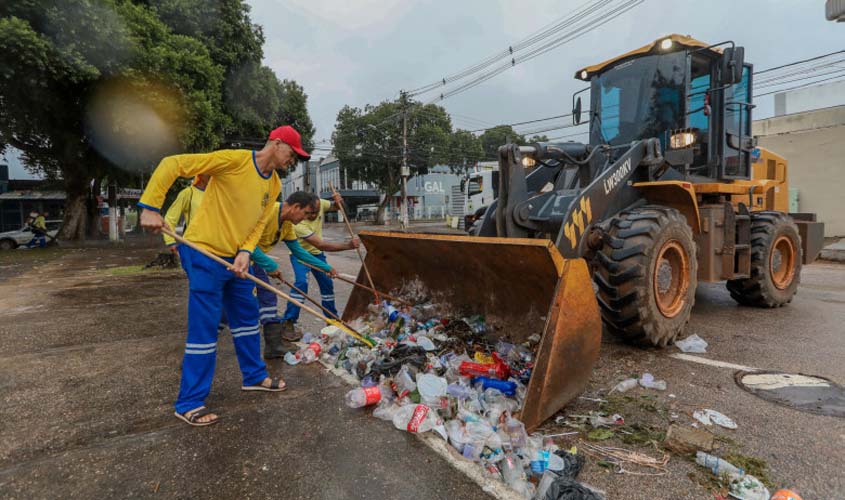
671,190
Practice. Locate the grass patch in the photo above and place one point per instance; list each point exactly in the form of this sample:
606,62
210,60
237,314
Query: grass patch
641,434
757,467
123,270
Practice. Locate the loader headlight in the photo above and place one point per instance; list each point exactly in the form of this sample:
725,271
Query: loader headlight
666,43
681,140
528,161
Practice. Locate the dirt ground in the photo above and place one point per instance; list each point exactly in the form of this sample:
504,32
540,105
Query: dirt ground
90,348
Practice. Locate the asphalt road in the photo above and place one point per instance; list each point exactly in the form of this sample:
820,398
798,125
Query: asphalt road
89,367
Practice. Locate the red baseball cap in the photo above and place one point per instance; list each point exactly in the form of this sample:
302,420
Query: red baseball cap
291,137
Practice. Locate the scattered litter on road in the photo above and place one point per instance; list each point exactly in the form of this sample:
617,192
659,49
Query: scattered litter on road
742,486
621,457
647,381
710,417
693,344
785,495
625,385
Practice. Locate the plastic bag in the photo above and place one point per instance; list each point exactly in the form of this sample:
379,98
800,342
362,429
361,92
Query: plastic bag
693,343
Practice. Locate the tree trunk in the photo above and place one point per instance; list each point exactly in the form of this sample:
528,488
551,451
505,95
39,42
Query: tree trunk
380,212
75,222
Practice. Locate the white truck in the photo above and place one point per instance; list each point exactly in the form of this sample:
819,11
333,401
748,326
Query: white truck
478,189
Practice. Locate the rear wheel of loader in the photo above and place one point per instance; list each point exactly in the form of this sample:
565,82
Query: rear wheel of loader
775,262
646,275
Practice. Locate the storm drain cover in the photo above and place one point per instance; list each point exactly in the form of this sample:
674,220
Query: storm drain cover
808,393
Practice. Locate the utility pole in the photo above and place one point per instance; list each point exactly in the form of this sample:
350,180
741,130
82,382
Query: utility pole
403,97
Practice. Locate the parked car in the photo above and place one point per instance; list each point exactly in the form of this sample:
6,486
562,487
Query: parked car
13,239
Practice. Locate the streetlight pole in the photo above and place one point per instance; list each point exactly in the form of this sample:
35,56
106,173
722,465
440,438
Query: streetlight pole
405,172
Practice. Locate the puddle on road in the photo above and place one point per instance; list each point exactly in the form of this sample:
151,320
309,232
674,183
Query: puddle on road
808,393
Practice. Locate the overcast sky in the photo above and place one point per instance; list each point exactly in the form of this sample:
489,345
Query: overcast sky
364,51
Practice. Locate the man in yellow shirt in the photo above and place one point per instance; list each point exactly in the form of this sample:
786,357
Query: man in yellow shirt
294,210
236,207
310,233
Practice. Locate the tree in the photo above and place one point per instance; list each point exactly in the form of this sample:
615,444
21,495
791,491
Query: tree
58,58
368,142
538,138
102,90
465,150
498,136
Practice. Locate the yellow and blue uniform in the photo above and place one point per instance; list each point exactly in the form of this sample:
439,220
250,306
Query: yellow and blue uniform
234,212
185,205
39,232
304,230
275,231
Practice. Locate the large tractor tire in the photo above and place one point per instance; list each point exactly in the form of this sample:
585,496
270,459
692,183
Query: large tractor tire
646,274
775,262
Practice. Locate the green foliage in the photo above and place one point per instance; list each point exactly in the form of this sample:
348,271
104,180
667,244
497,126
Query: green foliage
73,74
368,142
464,151
539,138
498,136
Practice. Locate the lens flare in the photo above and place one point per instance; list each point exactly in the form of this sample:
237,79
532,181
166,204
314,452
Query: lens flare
134,123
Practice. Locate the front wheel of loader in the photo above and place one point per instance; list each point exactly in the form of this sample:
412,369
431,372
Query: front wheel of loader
775,262
646,274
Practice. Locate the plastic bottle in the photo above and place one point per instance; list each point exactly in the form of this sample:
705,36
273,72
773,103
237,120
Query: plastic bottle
310,353
625,385
717,465
506,387
498,368
392,312
511,468
415,418
516,432
363,396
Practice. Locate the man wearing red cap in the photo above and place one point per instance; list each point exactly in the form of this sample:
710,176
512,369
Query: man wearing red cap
235,209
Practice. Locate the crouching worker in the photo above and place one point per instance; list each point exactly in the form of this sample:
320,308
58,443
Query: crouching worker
310,233
235,209
297,207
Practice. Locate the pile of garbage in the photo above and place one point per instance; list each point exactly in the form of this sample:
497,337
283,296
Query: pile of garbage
430,370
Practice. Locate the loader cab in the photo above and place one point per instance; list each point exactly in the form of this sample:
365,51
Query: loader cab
694,98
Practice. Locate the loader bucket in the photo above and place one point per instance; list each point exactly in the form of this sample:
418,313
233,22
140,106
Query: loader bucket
521,286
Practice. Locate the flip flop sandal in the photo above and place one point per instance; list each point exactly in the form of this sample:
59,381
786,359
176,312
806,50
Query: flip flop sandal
276,385
195,416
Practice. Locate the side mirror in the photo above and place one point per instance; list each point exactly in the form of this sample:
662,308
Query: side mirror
732,63
576,112
738,64
725,71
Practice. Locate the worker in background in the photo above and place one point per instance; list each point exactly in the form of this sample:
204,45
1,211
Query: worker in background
185,205
296,208
235,210
38,226
310,233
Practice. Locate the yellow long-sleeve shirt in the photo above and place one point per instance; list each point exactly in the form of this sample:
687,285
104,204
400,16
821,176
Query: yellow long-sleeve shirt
276,230
185,205
236,206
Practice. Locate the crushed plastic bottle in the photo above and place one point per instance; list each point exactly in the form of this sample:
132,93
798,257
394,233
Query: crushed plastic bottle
415,418
625,385
506,387
717,466
363,396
